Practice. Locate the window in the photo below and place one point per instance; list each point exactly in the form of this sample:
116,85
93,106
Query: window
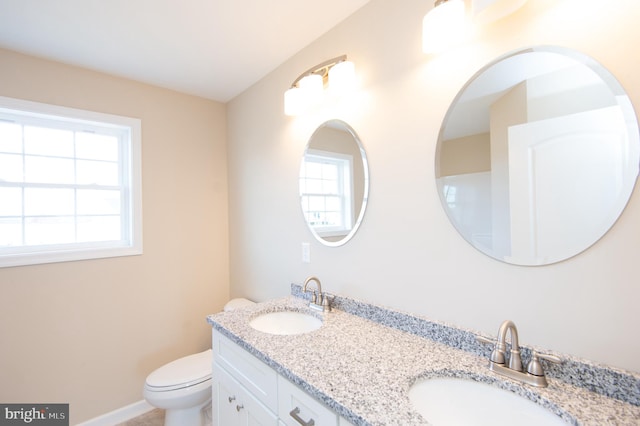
69,184
325,192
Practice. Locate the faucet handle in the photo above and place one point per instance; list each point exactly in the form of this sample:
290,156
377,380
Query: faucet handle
326,301
497,355
535,367
486,340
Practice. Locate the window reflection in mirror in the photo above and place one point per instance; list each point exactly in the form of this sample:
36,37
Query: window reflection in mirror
537,156
334,183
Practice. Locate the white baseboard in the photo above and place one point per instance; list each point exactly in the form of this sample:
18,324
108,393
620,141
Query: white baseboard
120,415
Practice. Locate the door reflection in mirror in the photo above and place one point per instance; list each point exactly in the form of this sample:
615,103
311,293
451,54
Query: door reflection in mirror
537,156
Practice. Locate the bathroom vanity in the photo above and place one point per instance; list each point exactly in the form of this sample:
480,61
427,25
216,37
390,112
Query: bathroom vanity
359,366
249,392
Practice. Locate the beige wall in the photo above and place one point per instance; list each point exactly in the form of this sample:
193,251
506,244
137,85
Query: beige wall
468,154
406,254
89,332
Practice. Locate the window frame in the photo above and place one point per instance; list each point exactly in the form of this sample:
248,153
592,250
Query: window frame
344,163
129,167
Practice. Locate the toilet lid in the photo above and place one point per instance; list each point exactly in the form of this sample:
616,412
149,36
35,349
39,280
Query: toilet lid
237,303
185,371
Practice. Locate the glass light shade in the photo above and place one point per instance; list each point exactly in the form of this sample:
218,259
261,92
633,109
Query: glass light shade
311,87
342,77
293,101
308,93
443,26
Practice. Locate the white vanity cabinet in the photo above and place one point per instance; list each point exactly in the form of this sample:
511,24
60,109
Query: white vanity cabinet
247,392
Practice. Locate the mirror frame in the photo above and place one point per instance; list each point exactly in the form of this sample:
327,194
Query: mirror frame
365,195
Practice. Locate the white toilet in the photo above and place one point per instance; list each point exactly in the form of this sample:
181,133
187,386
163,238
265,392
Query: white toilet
183,387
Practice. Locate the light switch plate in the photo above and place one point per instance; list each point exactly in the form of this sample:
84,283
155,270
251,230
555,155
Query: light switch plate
306,253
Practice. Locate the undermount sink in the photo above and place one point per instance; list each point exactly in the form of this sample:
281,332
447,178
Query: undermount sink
452,401
285,323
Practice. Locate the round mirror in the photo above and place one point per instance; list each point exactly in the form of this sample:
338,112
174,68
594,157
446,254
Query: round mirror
537,156
334,183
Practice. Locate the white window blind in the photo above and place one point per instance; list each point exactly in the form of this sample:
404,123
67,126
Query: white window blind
69,184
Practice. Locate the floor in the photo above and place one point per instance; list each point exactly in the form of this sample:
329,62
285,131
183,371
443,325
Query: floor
152,418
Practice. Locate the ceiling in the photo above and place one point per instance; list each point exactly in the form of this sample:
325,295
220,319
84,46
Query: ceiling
211,48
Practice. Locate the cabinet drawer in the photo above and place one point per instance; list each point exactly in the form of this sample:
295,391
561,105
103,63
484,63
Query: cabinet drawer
294,402
236,406
257,377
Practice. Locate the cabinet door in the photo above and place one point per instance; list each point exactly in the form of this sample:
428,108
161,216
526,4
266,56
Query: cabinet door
225,412
236,406
295,407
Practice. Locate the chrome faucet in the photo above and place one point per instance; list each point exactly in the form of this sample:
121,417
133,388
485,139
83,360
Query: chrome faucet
534,374
319,301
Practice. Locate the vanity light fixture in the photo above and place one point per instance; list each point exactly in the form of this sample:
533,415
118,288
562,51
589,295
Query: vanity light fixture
443,26
307,90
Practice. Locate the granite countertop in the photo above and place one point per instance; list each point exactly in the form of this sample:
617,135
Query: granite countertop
363,369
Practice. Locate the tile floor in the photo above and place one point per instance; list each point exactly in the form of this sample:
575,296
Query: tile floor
152,418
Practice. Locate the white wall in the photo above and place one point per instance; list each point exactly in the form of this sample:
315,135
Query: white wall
406,254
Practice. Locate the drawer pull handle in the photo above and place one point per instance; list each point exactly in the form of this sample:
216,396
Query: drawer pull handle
231,399
239,407
294,413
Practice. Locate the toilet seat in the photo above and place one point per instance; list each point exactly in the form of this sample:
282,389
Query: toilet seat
181,373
